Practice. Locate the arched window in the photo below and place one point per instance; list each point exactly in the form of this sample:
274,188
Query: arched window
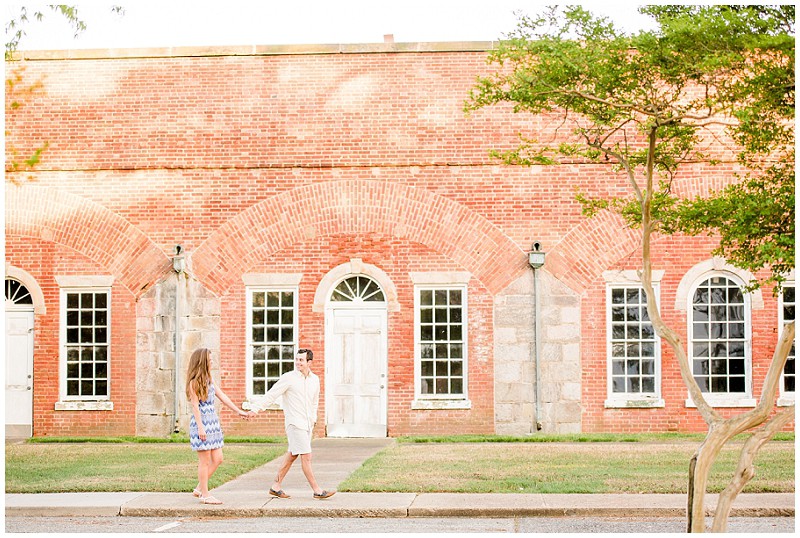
17,293
719,337
358,288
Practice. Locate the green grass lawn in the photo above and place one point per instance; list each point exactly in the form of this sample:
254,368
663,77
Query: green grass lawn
55,467
606,467
582,463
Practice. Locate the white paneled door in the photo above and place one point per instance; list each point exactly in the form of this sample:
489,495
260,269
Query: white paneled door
355,374
19,373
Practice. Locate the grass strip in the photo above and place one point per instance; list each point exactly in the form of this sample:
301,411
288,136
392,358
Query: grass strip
47,467
576,438
559,468
175,438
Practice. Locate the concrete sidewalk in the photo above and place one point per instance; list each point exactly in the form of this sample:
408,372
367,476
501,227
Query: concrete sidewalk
334,461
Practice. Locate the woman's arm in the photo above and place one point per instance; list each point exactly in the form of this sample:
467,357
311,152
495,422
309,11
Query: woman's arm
195,401
232,406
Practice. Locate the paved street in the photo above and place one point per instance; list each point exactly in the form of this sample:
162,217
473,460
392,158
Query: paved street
382,525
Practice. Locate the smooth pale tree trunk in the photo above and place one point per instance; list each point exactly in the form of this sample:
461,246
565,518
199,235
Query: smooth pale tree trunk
720,430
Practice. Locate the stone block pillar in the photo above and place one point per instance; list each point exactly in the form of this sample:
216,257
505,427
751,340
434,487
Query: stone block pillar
177,302
558,361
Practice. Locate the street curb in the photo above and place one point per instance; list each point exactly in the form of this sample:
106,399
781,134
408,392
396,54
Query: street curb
383,505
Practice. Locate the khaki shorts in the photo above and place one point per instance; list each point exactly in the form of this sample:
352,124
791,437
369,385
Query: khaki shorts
299,440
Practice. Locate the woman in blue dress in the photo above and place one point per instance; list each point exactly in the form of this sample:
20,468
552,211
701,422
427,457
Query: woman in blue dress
205,431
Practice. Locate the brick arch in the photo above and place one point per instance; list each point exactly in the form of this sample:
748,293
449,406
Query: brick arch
350,206
88,228
593,246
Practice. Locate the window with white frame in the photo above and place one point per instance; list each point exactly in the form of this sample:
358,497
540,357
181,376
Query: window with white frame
786,314
719,329
441,333
85,338
271,336
634,350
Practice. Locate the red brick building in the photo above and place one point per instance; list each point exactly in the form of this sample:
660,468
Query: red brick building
257,200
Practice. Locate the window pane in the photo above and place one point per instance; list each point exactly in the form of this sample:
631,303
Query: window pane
788,309
442,335
618,384
618,296
648,384
86,330
724,340
272,325
632,336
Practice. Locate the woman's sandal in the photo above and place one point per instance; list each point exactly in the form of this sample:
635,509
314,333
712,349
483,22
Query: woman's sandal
196,492
210,500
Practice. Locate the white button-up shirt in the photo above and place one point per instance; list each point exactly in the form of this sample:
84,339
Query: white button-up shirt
300,398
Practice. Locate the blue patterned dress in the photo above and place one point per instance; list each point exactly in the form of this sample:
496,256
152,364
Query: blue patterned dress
208,414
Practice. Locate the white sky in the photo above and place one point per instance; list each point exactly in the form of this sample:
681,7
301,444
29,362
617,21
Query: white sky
147,23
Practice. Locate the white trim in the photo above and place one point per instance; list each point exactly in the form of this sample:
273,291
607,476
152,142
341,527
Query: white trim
643,403
30,283
715,265
100,284
440,404
248,323
627,280
716,399
355,267
786,398
382,308
84,405
444,398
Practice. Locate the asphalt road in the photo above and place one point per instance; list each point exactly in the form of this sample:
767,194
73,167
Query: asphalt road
754,525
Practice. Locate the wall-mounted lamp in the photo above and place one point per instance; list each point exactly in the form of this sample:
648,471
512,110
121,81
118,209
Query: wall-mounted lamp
178,261
536,256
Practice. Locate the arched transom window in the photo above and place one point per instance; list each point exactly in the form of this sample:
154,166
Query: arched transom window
357,288
17,293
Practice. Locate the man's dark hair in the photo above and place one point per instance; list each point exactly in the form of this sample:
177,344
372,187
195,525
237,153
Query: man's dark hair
308,352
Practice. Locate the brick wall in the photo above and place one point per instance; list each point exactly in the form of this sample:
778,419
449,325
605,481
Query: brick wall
294,161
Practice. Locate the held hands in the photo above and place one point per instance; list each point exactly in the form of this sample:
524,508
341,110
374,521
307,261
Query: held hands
249,414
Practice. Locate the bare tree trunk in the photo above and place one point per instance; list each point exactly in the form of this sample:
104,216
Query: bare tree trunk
746,470
720,430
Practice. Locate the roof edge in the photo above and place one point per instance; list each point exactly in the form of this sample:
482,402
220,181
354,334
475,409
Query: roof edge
255,50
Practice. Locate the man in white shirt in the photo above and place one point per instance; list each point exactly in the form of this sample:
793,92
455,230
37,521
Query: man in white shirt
300,391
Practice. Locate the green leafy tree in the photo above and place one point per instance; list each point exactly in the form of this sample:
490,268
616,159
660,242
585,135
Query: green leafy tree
646,103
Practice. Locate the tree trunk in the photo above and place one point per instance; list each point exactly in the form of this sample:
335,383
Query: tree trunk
720,430
746,470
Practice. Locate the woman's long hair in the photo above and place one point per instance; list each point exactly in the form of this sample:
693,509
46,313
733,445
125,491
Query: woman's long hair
198,376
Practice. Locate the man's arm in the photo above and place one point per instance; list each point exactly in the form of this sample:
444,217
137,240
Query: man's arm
260,403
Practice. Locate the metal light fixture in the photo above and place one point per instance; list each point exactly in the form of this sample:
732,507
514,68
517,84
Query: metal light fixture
536,256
